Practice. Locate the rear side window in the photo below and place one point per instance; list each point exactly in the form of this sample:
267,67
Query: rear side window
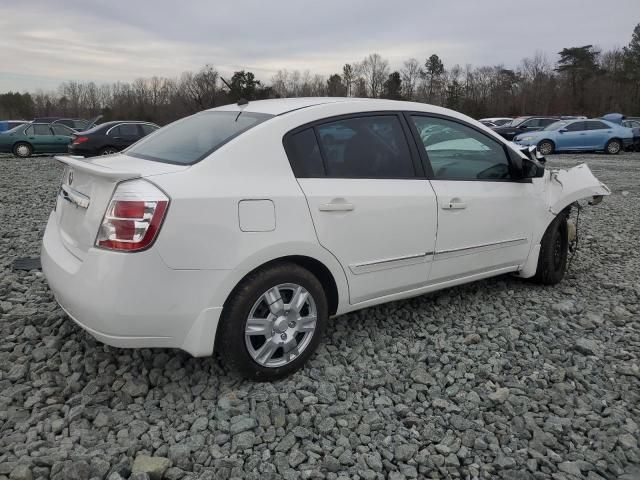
147,129
576,127
191,139
304,154
41,130
61,129
129,130
113,132
458,152
595,125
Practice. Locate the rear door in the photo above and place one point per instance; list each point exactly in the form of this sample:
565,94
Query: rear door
598,134
61,137
483,212
370,203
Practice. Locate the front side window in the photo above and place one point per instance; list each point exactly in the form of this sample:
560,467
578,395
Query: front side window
458,152
191,139
365,147
544,122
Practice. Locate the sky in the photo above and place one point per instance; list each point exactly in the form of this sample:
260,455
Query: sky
46,42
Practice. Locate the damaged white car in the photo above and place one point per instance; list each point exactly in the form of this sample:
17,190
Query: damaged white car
244,228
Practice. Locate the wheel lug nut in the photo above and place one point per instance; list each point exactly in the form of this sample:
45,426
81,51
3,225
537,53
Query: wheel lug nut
283,336
292,324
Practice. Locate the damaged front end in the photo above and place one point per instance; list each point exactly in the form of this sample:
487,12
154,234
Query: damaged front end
564,187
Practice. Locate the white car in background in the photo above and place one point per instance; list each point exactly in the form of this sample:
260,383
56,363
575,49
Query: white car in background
246,227
497,121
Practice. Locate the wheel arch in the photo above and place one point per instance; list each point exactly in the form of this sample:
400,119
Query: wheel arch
18,142
614,139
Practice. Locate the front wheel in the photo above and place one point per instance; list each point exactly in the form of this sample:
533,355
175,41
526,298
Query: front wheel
546,147
273,322
22,150
613,147
107,151
554,251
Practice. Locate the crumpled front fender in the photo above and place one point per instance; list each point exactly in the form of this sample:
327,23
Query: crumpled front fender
567,186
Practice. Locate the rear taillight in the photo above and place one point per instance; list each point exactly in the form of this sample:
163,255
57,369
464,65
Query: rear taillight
133,218
79,140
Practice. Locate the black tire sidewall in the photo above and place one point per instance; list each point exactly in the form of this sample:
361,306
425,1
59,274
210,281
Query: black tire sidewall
230,341
104,150
15,149
547,272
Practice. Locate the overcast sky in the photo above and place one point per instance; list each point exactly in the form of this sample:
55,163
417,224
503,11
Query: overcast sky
43,43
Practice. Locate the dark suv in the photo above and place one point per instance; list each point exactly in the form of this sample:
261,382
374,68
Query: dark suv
523,124
109,137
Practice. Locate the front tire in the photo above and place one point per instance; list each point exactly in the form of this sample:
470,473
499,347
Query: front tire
554,251
22,150
273,322
546,147
613,147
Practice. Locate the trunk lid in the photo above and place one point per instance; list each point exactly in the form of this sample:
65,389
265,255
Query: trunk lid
86,189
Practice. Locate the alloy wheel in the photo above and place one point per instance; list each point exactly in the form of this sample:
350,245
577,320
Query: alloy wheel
280,325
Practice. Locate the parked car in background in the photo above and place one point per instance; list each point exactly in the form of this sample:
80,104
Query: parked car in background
247,227
523,124
497,121
109,137
634,125
574,135
487,123
10,124
30,138
77,124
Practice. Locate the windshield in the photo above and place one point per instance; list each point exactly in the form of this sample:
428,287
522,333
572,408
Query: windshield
191,139
556,125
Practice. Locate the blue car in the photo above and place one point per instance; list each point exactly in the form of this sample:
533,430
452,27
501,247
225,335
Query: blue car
574,135
6,125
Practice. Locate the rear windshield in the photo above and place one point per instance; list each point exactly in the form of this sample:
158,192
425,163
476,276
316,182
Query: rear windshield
191,139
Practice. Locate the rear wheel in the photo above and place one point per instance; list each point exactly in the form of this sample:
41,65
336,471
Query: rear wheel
546,147
613,146
273,322
554,251
22,150
107,151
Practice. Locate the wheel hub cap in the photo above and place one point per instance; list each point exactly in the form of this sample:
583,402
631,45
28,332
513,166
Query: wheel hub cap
280,325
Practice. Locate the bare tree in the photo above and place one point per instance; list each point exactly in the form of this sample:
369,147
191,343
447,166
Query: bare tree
410,74
375,71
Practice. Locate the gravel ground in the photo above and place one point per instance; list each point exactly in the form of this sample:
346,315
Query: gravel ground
496,379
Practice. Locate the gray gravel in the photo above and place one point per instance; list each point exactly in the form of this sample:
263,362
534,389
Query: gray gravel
497,379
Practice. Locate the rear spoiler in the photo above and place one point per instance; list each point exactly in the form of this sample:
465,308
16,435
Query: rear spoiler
84,165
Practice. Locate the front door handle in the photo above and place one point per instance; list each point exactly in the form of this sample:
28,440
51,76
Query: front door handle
336,205
454,204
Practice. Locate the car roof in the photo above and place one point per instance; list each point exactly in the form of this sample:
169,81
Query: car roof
278,106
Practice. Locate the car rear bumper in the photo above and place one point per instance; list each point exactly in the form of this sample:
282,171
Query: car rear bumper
84,152
133,299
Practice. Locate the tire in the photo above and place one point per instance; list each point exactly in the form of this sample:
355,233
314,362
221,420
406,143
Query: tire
107,151
546,147
22,150
554,251
613,146
248,353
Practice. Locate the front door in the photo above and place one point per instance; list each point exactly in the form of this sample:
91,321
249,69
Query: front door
369,205
572,137
482,213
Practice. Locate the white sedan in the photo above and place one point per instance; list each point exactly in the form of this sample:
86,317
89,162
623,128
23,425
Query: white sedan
246,227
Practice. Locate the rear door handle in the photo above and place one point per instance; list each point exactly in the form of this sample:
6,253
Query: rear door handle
455,204
336,205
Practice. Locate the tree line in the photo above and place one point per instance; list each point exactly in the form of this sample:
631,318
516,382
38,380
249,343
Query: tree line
584,81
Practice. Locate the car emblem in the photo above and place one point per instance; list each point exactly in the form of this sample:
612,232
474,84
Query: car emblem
70,179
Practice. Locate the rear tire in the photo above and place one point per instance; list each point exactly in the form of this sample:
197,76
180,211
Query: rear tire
107,151
291,333
546,147
22,150
554,251
613,146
